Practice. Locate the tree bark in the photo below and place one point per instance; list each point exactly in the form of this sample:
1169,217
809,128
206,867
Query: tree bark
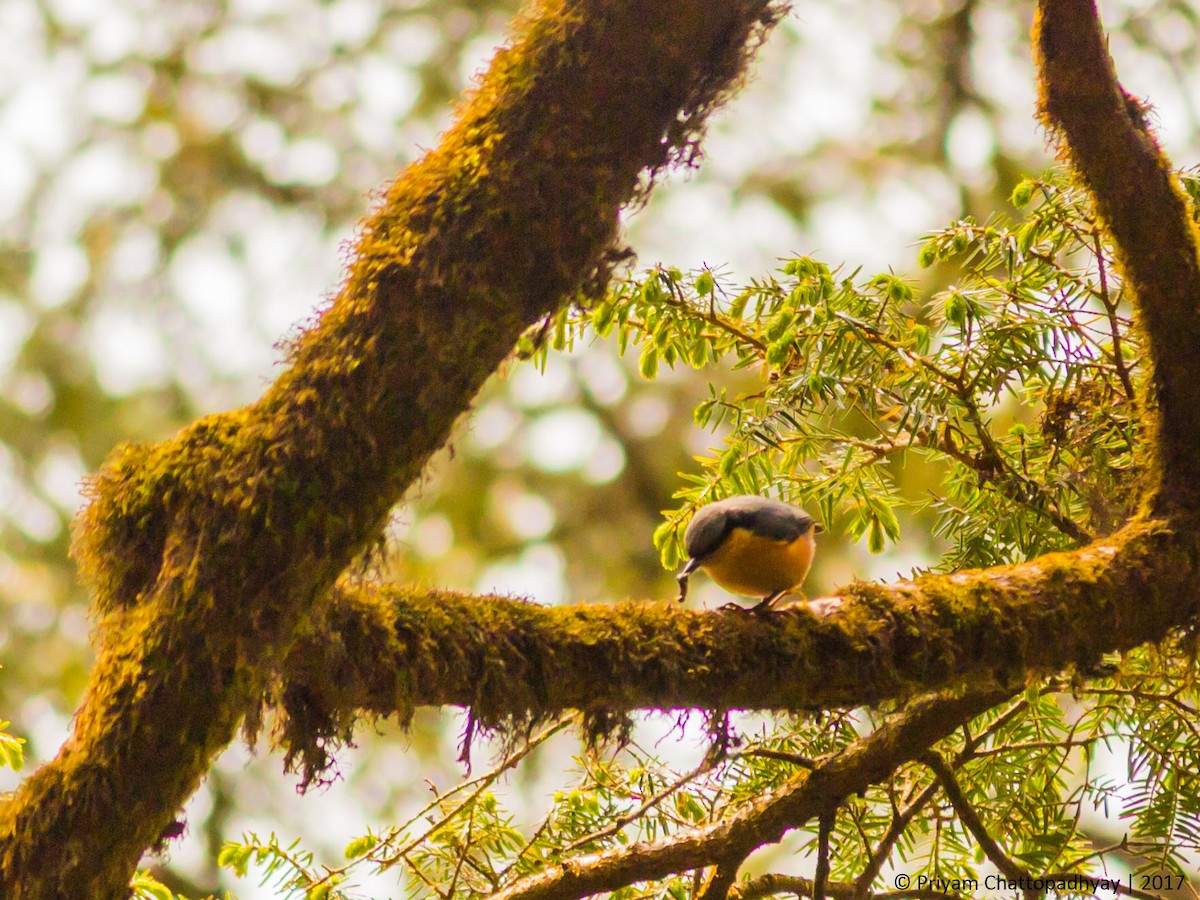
207,551
211,551
1105,136
385,650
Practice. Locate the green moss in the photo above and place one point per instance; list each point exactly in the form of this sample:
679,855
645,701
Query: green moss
207,552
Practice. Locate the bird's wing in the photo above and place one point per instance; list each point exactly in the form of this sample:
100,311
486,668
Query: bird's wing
768,518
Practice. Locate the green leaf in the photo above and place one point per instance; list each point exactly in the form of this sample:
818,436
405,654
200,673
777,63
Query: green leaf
777,353
730,460
11,753
146,887
622,341
648,362
1023,193
887,519
779,323
1026,236
664,533
875,538
663,332
603,317
361,846
954,308
920,338
738,306
899,292
652,292
559,339
669,554
235,856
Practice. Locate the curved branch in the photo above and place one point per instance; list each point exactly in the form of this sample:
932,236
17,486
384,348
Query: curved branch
1105,135
207,551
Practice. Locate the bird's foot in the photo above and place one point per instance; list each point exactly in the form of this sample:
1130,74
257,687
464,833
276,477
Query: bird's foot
767,602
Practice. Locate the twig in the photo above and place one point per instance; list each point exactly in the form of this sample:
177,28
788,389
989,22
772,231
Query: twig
970,818
482,781
722,879
1110,309
466,848
821,876
621,821
806,762
900,821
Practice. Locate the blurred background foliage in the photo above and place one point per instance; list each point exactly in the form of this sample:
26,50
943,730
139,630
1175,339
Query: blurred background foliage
177,180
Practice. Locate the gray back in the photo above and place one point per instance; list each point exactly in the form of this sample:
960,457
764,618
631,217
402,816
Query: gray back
761,516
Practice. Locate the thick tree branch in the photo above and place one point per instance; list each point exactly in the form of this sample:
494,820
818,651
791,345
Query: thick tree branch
1105,135
388,650
865,762
208,550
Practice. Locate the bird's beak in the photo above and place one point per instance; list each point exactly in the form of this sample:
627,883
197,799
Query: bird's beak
818,528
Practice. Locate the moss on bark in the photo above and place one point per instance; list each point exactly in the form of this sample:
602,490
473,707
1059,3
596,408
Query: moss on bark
381,650
207,551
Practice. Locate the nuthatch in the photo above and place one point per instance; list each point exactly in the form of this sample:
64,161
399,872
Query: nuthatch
751,546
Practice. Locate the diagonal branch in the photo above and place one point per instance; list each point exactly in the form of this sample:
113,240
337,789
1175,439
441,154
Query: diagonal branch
207,551
1103,131
901,819
970,818
867,761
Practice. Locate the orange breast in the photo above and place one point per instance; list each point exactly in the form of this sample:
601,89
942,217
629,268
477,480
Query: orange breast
755,567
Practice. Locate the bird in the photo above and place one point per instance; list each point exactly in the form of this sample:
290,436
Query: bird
750,545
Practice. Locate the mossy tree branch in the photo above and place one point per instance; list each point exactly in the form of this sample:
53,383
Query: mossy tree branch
207,551
386,650
1103,132
1002,624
